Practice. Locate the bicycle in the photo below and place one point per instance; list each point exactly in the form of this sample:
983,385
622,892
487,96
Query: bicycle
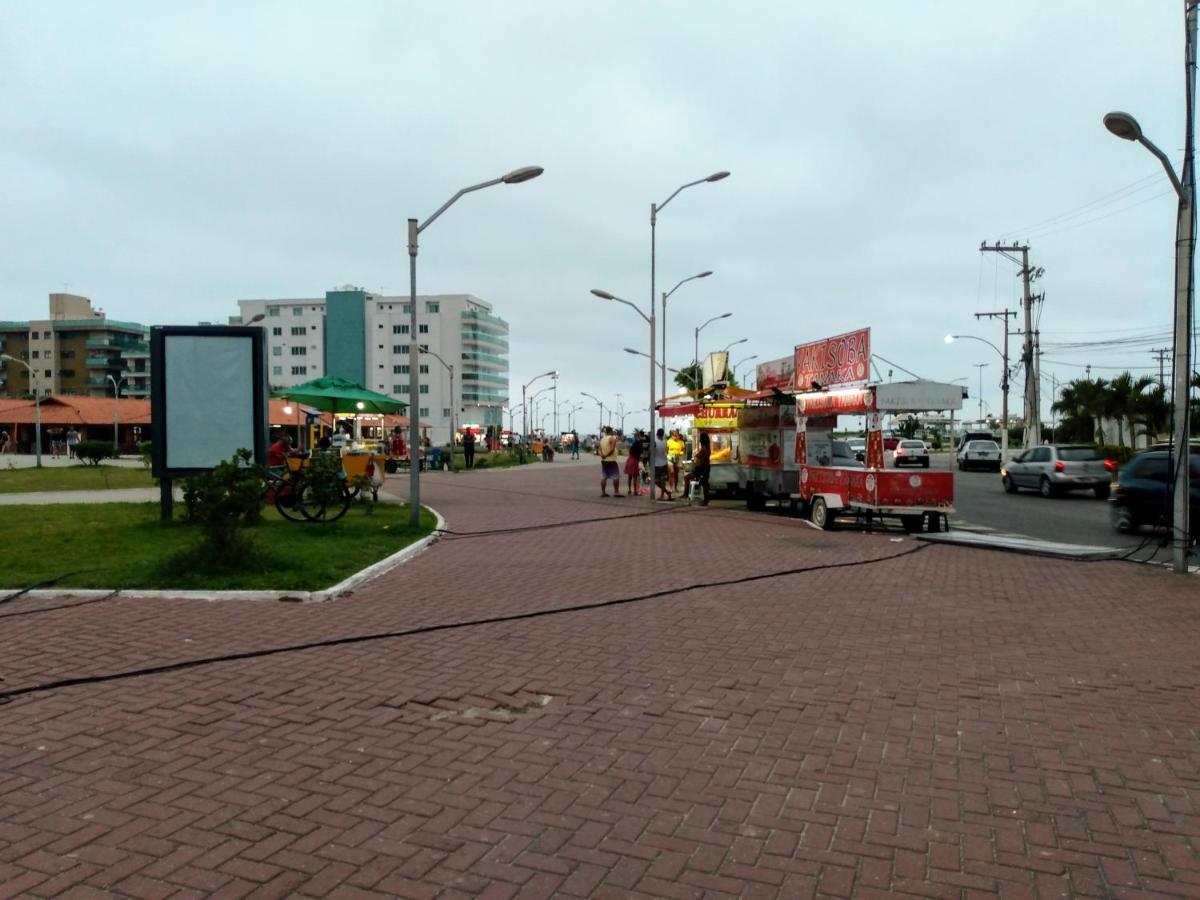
309,493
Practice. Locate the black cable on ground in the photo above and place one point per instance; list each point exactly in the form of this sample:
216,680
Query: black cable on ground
46,609
9,696
49,582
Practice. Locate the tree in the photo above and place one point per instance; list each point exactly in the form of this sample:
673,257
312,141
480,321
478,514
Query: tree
689,377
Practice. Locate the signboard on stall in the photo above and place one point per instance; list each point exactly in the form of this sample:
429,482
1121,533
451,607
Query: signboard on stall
849,402
844,359
718,415
775,373
918,396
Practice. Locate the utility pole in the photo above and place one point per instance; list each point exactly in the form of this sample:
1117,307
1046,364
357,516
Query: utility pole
1161,355
1003,316
1033,426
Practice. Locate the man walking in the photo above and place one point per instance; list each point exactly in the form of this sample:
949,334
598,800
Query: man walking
574,444
608,464
469,448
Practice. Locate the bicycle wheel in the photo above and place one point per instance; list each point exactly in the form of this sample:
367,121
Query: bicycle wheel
287,493
323,502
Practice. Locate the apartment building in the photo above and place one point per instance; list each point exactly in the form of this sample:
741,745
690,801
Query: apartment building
364,337
75,350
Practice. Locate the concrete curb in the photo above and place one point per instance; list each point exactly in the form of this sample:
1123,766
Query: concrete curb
1015,543
340,589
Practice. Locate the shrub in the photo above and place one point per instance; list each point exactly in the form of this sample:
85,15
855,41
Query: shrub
223,501
144,451
92,453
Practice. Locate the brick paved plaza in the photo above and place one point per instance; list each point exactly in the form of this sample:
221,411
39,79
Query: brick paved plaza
900,720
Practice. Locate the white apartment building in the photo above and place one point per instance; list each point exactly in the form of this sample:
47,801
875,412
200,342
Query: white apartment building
364,337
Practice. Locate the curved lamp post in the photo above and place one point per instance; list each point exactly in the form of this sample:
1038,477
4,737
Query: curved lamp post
524,411
738,364
664,321
1126,127
37,405
696,351
951,338
601,405
414,230
605,295
116,383
662,368
453,408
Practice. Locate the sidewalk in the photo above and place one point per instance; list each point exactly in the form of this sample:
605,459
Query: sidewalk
751,708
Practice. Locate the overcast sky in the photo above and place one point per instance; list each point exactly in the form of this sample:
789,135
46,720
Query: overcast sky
166,159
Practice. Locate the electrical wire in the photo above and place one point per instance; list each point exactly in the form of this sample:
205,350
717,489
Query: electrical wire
1133,187
184,665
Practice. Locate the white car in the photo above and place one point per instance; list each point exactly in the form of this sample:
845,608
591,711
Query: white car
979,455
910,453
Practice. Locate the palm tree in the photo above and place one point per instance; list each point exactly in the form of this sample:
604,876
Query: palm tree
1082,403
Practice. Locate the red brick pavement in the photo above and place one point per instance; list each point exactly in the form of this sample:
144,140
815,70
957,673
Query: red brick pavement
950,722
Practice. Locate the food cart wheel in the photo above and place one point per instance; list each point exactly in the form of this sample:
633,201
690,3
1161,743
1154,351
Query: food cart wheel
323,503
795,508
390,466
819,514
911,523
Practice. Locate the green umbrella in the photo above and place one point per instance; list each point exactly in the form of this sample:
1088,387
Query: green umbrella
337,395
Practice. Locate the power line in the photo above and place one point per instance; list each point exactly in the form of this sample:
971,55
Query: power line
1109,215
1113,196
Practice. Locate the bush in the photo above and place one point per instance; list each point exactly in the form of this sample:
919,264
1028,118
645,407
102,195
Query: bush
144,451
223,501
92,453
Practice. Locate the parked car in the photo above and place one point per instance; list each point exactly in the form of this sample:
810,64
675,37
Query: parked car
1143,495
1057,468
858,446
911,453
973,436
981,454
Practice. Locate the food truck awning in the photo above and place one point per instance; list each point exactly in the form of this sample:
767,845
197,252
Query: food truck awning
337,395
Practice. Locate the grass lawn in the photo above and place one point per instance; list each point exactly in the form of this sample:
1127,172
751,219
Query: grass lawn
73,478
126,545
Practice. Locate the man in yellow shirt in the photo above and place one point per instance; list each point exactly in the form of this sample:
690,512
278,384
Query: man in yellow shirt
608,464
675,448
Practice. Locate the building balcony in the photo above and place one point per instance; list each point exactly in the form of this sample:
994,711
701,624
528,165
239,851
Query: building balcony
102,344
485,339
470,378
103,362
487,359
484,320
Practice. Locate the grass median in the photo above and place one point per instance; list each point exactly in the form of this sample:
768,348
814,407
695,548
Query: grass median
73,478
127,545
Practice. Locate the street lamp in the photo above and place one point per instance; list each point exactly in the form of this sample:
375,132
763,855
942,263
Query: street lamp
598,403
981,367
734,344
116,383
37,405
524,414
453,408
738,364
696,353
605,295
1126,126
414,229
704,274
571,416
661,367
951,338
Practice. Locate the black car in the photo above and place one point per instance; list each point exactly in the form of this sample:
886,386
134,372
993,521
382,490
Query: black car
1142,493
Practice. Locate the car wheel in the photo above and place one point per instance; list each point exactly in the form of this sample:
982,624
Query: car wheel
819,514
1123,520
1103,490
1046,487
924,464
1010,486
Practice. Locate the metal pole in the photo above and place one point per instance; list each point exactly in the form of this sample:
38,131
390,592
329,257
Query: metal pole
414,426
555,419
1185,249
1004,386
980,367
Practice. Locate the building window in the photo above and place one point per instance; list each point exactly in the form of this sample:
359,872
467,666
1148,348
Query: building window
277,351
400,370
424,388
297,310
49,374
67,373
406,309
272,310
400,389
299,370
46,335
432,306
36,353
67,354
424,370
299,351
446,412
399,348
277,370
424,348
399,329
423,329
277,331
423,411
299,329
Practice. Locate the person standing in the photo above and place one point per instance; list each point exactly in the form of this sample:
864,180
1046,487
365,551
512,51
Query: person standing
633,465
574,444
660,467
675,448
608,463
700,463
72,441
468,442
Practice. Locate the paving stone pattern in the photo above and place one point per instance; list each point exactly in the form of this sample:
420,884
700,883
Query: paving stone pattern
947,723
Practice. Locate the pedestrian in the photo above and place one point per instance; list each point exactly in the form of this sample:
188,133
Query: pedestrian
699,473
608,463
660,467
675,448
633,465
468,444
58,443
574,444
277,453
72,441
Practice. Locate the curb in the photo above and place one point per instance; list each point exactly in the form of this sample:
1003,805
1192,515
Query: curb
340,589
1012,543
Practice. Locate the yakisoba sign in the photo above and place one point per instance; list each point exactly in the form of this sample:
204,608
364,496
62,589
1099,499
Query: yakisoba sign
844,359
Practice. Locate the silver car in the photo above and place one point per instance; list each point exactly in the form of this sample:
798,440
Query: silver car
1054,469
979,455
